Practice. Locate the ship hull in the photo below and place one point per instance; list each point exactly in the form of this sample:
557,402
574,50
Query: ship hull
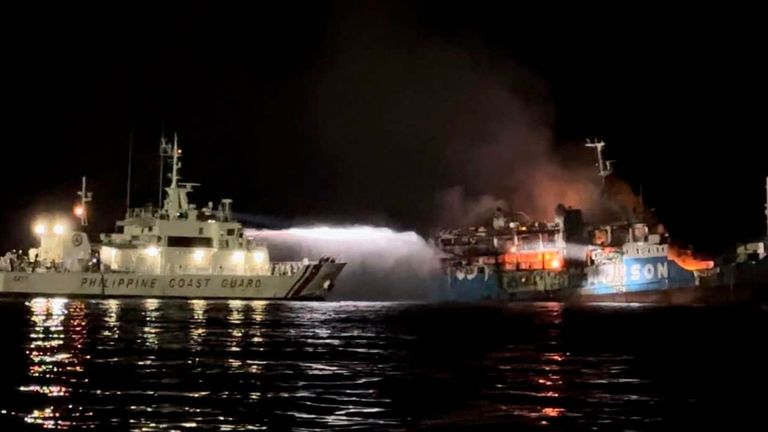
312,281
676,287
690,295
682,295
742,283
494,285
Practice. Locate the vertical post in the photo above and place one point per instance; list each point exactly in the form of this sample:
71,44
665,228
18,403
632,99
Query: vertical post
85,197
175,160
84,216
163,149
128,187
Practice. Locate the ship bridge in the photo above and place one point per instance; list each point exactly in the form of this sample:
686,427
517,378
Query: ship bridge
181,238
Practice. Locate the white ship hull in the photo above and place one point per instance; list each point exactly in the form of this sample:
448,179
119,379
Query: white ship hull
312,281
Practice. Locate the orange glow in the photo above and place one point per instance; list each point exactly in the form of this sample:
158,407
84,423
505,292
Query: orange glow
685,259
553,412
600,237
532,260
78,210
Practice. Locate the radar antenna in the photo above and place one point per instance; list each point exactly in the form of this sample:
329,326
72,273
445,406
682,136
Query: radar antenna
604,168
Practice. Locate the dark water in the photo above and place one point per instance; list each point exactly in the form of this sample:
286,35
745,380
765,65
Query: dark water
176,365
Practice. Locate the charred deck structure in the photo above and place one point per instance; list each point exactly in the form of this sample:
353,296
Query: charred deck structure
570,260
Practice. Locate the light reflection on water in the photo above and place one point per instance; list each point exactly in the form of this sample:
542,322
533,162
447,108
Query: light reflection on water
236,328
197,324
55,353
254,365
151,329
111,332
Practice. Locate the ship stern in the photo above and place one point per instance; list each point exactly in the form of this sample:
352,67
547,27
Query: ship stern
317,281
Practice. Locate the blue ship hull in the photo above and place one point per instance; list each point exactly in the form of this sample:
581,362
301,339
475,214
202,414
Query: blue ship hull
481,287
643,276
637,275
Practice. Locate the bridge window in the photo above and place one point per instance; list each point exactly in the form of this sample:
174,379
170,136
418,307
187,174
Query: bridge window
178,241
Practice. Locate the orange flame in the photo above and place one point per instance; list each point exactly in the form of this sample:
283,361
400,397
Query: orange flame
685,259
533,260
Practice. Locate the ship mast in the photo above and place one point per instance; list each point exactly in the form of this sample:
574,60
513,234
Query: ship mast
176,202
165,150
604,167
85,197
128,180
176,164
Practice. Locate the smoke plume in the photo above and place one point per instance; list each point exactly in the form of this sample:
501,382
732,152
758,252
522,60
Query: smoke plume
428,131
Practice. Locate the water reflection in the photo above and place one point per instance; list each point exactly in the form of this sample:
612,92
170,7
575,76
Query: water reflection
46,335
258,315
235,318
77,329
235,365
197,324
111,331
551,359
151,328
55,351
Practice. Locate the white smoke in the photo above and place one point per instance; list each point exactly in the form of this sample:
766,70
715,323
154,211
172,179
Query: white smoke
382,264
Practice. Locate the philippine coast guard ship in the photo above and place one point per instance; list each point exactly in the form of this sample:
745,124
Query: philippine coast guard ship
175,251
568,260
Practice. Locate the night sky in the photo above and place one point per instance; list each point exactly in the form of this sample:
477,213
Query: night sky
374,112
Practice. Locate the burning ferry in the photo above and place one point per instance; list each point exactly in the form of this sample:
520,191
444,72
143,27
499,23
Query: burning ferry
178,250
562,260
518,259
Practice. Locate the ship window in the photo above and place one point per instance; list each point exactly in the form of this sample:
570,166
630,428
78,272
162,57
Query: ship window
200,230
231,232
178,241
